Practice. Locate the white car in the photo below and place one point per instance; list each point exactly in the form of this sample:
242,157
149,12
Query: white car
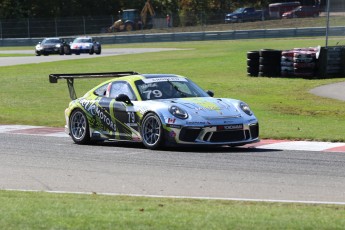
85,45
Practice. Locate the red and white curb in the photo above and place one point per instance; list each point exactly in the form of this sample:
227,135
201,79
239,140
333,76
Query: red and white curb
33,130
263,144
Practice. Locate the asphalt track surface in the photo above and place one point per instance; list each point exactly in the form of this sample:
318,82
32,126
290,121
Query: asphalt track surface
10,61
42,162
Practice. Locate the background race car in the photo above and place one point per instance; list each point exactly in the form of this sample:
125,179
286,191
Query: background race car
157,110
52,46
85,45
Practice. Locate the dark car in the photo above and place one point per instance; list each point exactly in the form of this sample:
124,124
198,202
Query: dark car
302,12
52,46
244,14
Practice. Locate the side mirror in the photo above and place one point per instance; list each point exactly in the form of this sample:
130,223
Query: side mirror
123,98
209,92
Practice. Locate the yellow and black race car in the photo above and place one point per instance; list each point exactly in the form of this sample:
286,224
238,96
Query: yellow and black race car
157,110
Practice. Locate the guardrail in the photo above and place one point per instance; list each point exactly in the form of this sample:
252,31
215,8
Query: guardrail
195,36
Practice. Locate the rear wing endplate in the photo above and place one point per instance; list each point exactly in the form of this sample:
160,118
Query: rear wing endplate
53,78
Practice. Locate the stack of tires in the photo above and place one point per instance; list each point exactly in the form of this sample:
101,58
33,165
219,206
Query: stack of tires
304,62
270,63
287,63
253,58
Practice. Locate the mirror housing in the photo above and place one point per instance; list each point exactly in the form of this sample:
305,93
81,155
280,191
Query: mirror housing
123,98
209,92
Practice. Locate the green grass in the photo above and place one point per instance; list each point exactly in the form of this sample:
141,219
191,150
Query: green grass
283,105
32,210
15,55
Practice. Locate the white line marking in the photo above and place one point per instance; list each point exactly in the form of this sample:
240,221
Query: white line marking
303,145
183,197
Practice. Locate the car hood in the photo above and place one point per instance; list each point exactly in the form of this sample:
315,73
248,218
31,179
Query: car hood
81,44
288,12
232,14
208,107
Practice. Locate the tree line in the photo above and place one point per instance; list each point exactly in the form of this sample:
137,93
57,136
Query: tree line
14,9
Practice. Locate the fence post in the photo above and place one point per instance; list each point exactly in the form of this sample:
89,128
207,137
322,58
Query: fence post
28,27
0,29
84,25
56,30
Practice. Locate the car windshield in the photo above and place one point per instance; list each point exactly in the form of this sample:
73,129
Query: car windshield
50,41
168,87
239,10
82,40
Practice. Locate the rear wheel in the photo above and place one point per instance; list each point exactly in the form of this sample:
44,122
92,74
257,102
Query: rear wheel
129,27
91,51
152,131
79,127
98,52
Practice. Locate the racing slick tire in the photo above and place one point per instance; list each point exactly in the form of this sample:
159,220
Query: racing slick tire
253,58
99,51
67,50
79,127
152,131
92,51
253,55
61,51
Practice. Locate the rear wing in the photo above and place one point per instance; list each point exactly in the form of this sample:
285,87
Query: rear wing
53,78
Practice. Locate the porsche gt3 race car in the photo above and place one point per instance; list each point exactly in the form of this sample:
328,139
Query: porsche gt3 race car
52,46
157,110
85,45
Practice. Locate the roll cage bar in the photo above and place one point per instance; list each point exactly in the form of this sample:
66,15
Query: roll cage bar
53,78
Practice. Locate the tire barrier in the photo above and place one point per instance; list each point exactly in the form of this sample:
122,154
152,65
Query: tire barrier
313,62
253,59
331,62
270,63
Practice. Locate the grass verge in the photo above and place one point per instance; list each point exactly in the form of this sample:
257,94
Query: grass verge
32,210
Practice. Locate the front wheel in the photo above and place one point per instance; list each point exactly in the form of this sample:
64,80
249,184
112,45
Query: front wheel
152,131
79,127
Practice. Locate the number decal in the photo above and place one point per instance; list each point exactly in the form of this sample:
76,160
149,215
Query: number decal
156,93
131,117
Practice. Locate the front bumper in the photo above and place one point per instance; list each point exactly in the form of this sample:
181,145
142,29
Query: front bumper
212,135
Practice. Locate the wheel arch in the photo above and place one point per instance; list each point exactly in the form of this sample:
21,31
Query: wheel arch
73,109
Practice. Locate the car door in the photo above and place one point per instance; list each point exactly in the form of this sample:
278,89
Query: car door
125,116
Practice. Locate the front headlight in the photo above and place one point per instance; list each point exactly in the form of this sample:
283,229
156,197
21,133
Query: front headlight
178,112
245,108
57,45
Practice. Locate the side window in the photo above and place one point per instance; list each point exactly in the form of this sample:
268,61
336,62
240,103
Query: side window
121,88
101,91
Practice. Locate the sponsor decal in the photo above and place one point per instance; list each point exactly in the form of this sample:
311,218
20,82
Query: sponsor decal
105,118
174,126
171,120
230,127
132,124
89,105
92,108
160,79
172,134
195,123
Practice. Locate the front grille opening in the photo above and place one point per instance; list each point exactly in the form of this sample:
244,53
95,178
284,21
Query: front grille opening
227,136
207,136
254,131
189,135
